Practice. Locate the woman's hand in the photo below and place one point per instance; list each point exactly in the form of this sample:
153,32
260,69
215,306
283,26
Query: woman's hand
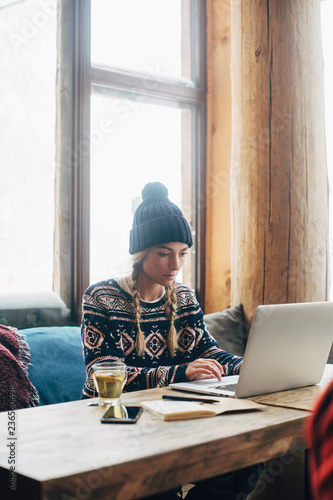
204,368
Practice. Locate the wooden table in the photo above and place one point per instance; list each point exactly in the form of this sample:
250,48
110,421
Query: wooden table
62,451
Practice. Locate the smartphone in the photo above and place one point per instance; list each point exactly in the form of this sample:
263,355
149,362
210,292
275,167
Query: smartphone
121,415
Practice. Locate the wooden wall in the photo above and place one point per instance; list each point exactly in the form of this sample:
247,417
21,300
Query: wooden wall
266,122
218,232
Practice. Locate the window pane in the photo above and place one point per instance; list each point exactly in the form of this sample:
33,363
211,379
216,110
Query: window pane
149,36
27,154
133,143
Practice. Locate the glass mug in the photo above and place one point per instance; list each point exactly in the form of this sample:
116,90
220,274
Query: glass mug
109,378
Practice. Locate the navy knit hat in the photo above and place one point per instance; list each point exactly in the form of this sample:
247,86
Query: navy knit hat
157,220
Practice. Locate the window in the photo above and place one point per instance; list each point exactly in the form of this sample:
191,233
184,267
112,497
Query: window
27,164
134,113
117,173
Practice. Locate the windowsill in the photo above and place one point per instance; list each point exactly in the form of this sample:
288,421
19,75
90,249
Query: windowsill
33,309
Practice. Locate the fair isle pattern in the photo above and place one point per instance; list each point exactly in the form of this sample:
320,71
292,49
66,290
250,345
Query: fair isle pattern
109,332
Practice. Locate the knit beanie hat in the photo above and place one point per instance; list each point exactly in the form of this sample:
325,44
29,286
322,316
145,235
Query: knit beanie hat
157,220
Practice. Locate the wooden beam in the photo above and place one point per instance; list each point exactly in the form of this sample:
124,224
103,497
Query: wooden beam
278,178
218,232
62,269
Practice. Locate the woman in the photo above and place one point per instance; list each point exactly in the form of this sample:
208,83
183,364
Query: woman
152,323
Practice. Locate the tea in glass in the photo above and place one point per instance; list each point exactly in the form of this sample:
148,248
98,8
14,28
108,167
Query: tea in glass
109,378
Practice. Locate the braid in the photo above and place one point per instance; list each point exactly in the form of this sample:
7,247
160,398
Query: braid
170,309
140,339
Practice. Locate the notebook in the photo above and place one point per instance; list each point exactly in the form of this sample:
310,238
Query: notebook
287,348
185,410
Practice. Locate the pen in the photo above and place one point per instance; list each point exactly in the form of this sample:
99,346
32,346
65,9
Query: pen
180,398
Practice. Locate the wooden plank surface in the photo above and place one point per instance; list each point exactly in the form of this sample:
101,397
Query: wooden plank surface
64,448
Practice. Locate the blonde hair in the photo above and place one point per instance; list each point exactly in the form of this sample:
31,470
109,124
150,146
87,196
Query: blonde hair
170,307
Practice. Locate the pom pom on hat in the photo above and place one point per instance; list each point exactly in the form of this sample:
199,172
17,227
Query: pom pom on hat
157,220
154,189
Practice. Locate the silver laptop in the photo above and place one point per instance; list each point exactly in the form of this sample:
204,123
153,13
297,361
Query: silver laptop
287,347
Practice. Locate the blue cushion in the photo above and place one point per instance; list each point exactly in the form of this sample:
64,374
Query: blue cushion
57,368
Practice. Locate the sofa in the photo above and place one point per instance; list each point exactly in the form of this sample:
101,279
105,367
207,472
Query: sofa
57,368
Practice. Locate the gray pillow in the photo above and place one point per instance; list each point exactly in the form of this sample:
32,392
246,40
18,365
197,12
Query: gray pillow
229,329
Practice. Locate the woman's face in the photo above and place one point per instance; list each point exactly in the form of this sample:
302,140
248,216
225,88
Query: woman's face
163,262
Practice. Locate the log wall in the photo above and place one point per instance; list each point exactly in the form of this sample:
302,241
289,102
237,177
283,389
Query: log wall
278,173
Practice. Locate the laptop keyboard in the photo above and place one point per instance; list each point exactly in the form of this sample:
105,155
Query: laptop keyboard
228,387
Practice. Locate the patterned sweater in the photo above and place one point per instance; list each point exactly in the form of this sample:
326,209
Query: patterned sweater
109,332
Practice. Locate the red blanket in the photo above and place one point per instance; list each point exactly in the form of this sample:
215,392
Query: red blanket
16,390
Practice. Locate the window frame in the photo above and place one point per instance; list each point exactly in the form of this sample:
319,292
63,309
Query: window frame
76,81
